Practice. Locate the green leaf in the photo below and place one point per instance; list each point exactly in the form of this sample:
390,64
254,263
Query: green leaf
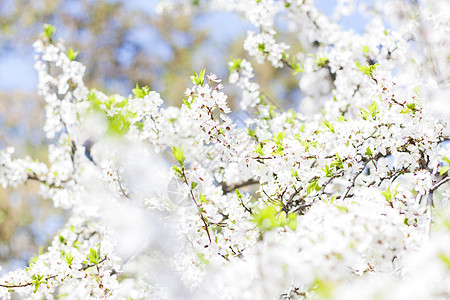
328,125
267,218
305,144
321,61
193,185
411,106
62,240
202,258
262,47
92,98
49,30
278,138
37,280
119,123
178,171
446,259
281,218
251,133
446,160
327,170
389,194
373,108
202,198
94,256
235,64
341,118
71,54
292,221
281,136
141,92
324,289
259,149
444,170
368,70
202,74
178,154
76,244
187,103
405,110
296,67
198,79
405,221
194,78
342,208
337,162
68,258
33,259
371,111
313,186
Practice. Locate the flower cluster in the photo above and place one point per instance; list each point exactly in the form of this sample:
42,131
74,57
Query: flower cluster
341,197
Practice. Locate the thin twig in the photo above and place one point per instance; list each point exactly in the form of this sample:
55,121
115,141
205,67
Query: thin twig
352,183
291,200
198,205
226,189
301,207
430,204
437,185
34,177
429,216
348,196
51,276
201,215
122,190
271,200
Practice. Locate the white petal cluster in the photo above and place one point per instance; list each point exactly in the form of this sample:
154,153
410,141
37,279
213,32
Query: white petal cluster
343,197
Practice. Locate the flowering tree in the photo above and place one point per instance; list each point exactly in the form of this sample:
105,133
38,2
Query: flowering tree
344,197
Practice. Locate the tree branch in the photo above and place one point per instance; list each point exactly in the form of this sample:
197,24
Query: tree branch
196,204
429,216
84,268
226,189
352,183
437,185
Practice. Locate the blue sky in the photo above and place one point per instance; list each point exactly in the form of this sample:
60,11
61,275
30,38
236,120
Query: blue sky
16,65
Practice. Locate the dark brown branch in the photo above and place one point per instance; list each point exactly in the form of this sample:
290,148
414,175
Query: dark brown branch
352,183
226,189
271,200
84,268
34,177
286,207
196,204
301,207
322,191
437,185
428,213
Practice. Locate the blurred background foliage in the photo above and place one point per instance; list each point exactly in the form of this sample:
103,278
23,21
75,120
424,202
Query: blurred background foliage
121,43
